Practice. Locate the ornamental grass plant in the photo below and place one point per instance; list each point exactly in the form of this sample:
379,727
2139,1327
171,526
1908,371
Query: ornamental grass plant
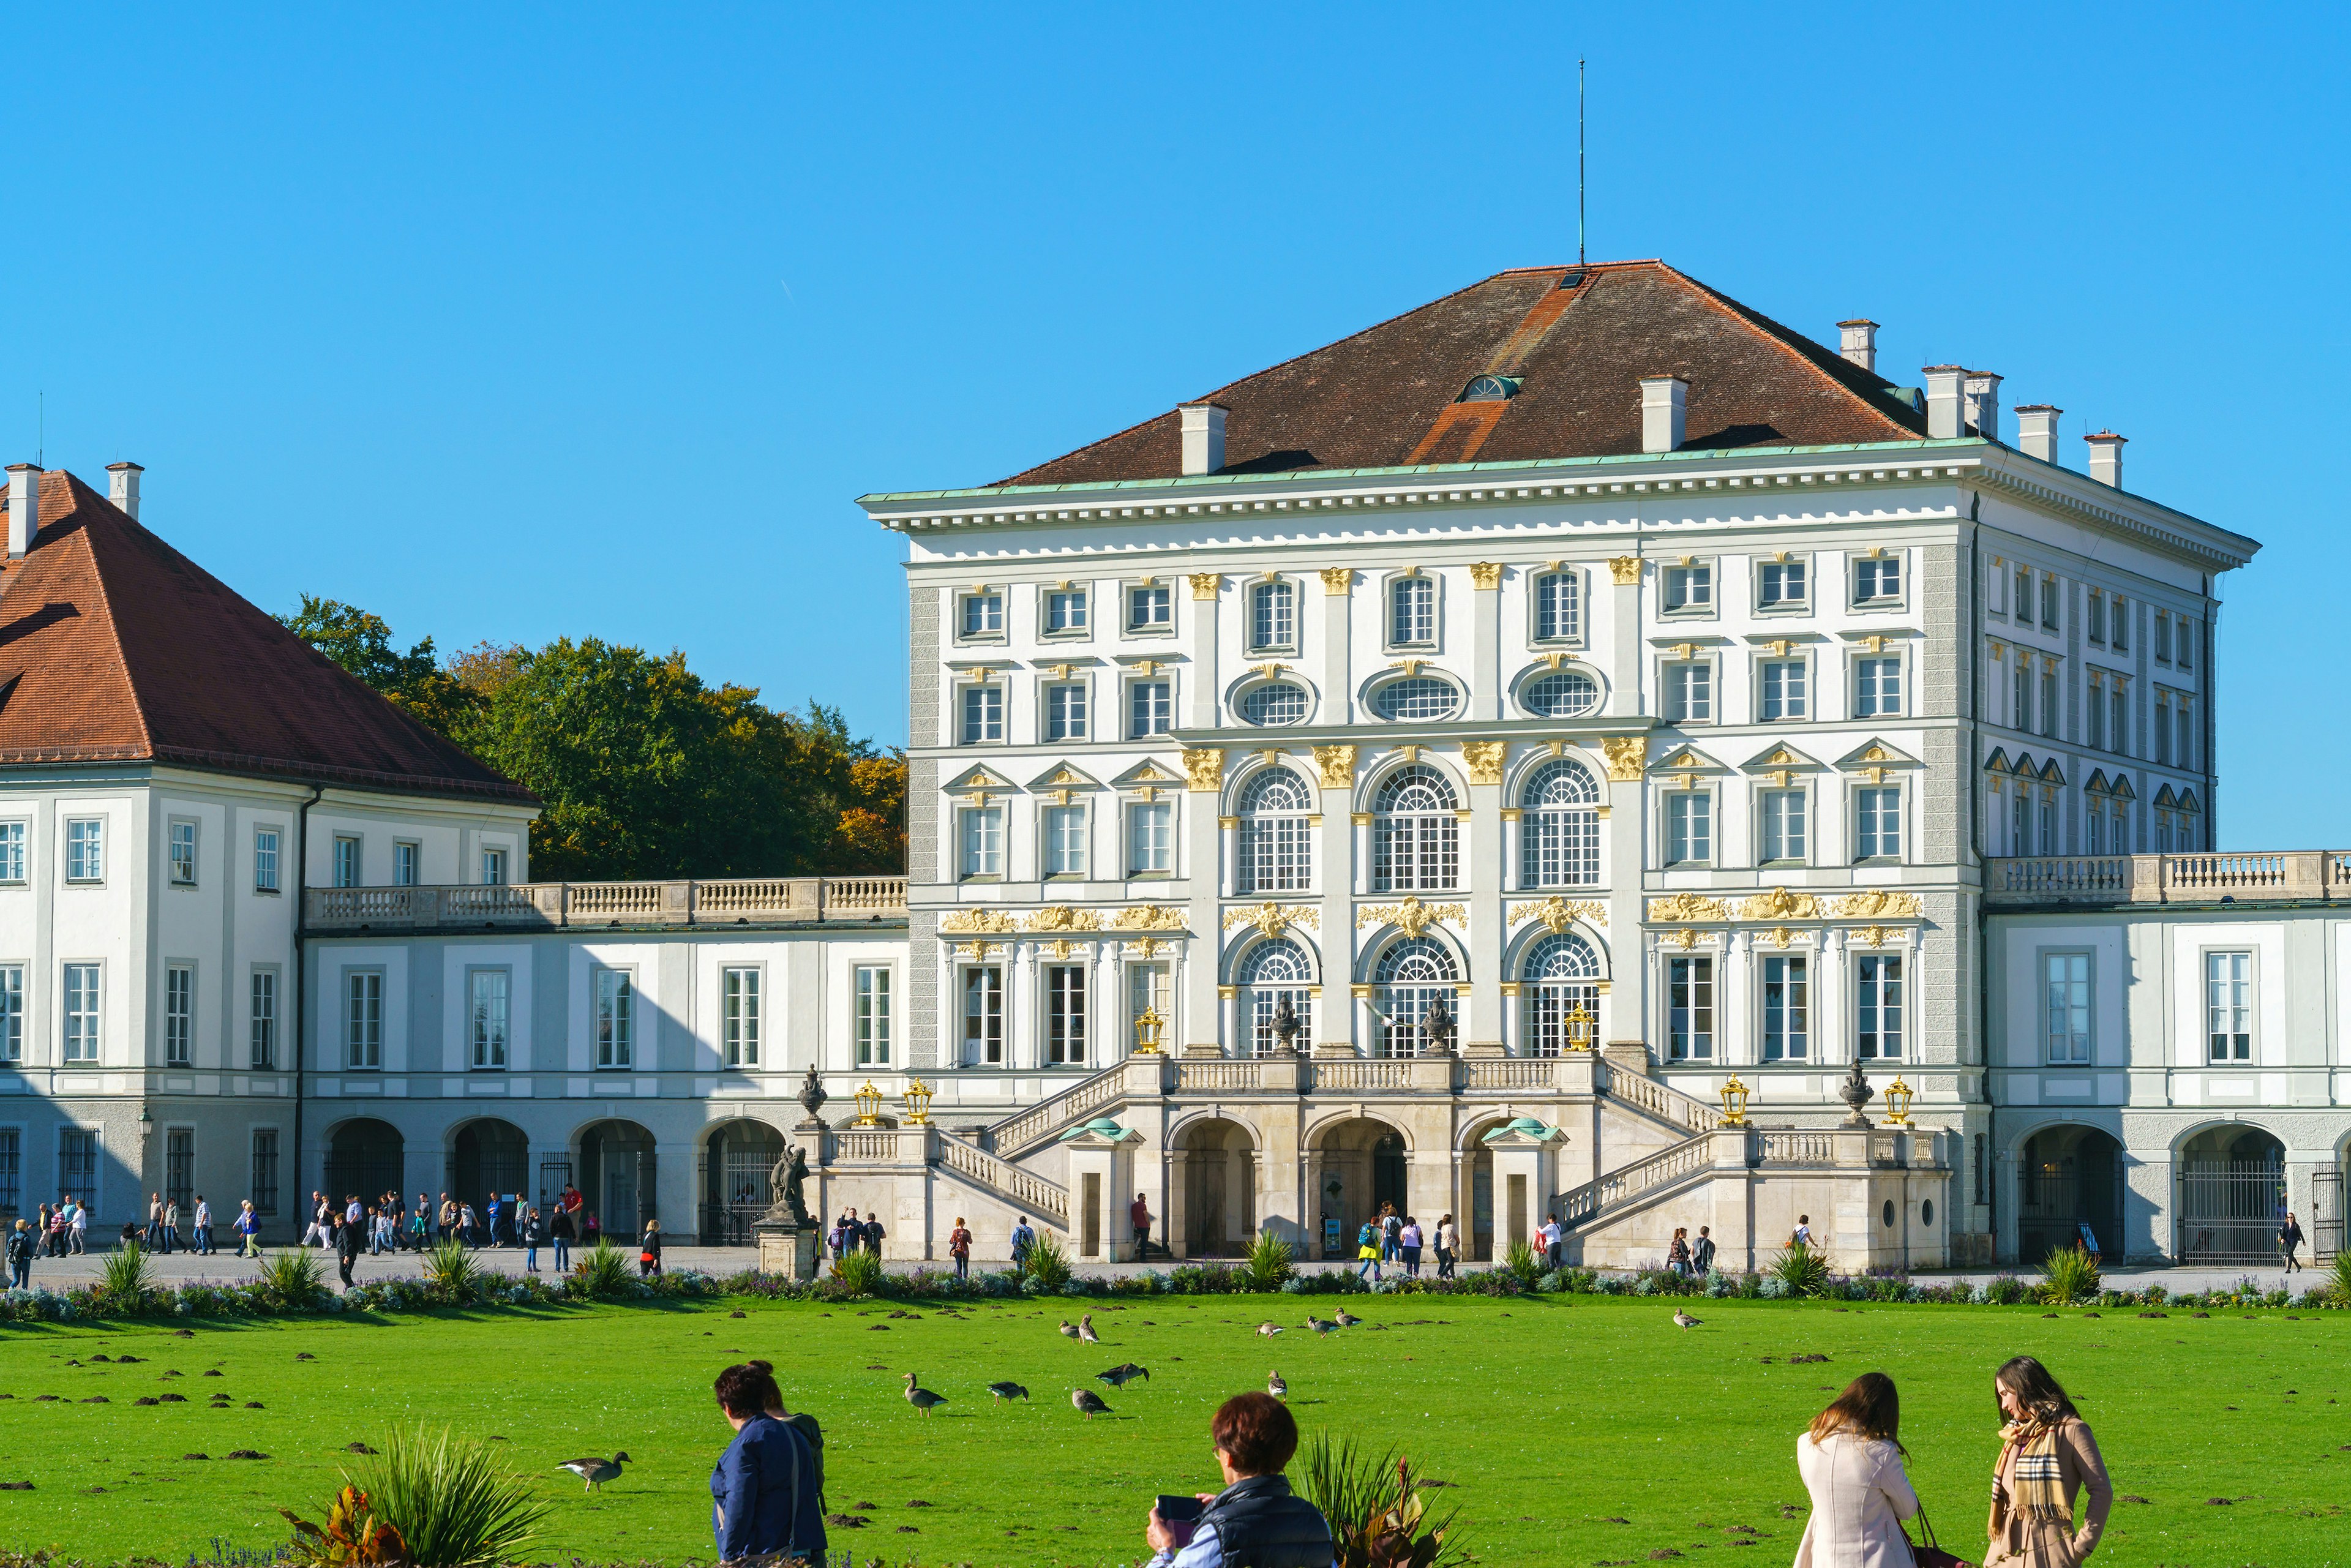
860,1272
1378,1516
1271,1264
2069,1276
601,1273
125,1282
1803,1271
452,1501
1523,1264
451,1272
291,1280
1048,1263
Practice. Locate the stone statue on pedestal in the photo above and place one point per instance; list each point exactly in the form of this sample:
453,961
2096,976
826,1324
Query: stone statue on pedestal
1855,1092
790,1180
787,1233
1285,1026
812,1099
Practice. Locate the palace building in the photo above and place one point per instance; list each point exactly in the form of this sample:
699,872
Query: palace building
1529,757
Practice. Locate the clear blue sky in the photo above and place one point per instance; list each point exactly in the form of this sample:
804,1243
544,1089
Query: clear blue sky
511,323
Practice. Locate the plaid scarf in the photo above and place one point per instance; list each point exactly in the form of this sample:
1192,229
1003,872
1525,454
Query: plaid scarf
2037,1483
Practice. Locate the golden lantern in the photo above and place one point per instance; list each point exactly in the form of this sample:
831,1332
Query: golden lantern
869,1106
1580,1027
1898,1103
1148,1026
918,1103
1734,1103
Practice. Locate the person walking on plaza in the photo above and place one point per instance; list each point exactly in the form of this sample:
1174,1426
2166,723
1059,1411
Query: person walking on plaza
959,1248
1257,1521
1367,1250
2289,1237
2046,1456
155,1240
1024,1241
648,1251
491,1212
171,1227
1851,1461
1803,1235
346,1245
563,1233
1389,1228
841,1234
203,1238
320,1210
871,1235
447,1224
767,1501
534,1232
1448,1247
1677,1253
1408,1246
420,1223
77,1227
1702,1252
20,1256
1548,1238
245,1225
1138,1214
49,1229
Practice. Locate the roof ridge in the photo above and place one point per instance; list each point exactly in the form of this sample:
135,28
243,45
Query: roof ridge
1779,333
69,485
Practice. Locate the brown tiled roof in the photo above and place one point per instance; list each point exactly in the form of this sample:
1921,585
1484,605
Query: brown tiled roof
1386,397
114,647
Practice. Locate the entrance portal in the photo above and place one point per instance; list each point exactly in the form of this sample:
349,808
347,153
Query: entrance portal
2070,1178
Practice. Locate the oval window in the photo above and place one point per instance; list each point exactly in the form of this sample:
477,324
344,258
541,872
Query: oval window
1416,697
1927,1212
1562,694
1890,1213
1276,701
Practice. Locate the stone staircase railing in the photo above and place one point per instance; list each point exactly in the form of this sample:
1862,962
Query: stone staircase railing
1021,1188
1662,1100
1018,1133
1669,1166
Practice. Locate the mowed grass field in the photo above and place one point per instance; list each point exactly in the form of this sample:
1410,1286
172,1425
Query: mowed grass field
1575,1430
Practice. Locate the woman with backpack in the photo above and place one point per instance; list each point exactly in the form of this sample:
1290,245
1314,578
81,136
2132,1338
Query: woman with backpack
1367,1250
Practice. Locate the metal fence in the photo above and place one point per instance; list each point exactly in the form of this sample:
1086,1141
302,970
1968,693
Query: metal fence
2230,1211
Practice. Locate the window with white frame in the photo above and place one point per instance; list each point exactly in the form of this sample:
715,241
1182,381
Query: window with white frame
264,1181
1559,607
1877,1007
264,860
182,853
1415,833
1065,612
1689,589
2048,828
1781,585
1559,827
2022,607
1273,617
1689,693
345,872
739,1017
2019,819
1276,846
487,1018
1781,693
2049,698
1876,686
86,849
2065,1009
616,1019
11,1172
2183,749
1877,579
871,1024
1273,973
1065,841
1065,1015
12,852
1877,823
1146,992
12,1012
1065,710
81,1020
2095,621
2184,656
2117,717
983,715
2163,636
493,866
1150,708
1690,1009
982,615
2119,634
406,856
363,1019
2119,820
2094,711
1412,612
78,1165
1781,826
2094,824
1562,694
1413,975
1416,698
1689,827
2019,693
1150,608
1787,1012
981,854
261,1025
983,1016
2161,727
179,1014
1151,838
2229,1006
1274,702
1560,995
2049,602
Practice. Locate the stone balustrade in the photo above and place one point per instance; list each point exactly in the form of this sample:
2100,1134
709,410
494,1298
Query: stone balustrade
750,901
2246,876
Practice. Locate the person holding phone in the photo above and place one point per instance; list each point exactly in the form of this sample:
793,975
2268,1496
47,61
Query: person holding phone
1256,1521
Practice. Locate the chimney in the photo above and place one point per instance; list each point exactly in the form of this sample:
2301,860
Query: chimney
122,488
2105,460
1983,404
24,508
1664,415
2036,430
1943,414
1203,438
1860,343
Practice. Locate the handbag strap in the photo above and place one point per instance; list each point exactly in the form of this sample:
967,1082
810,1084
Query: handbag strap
1927,1526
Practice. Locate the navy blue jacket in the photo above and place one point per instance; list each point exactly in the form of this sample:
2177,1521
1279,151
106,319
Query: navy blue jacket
766,1489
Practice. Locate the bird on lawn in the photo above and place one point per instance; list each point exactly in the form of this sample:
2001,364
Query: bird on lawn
1069,1329
1086,1329
1004,1391
1318,1326
1276,1385
1267,1331
1089,1403
1125,1373
595,1471
1684,1322
922,1399
1345,1319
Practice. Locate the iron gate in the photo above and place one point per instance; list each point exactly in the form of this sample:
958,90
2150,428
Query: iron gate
2326,1212
736,1191
2231,1210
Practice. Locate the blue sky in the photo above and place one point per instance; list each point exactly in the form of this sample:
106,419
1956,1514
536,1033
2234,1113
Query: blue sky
508,322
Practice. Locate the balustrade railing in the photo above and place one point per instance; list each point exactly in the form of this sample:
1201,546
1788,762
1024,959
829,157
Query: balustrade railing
1024,1187
1016,1134
1794,1149
2203,877
740,900
1380,1073
1661,1101
874,1146
1667,1165
1510,1071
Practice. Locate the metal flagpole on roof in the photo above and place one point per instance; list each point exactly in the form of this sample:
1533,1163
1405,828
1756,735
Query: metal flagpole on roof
1579,163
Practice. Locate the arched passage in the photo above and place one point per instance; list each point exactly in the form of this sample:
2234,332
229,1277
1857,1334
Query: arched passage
2069,1178
738,1160
617,1176
1217,1161
1475,1216
489,1157
1358,1165
2232,1196
363,1160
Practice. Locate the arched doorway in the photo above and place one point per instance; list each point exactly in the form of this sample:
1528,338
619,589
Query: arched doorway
738,1163
617,1176
1476,1220
1218,1159
2069,1177
363,1161
2232,1196
489,1157
1358,1165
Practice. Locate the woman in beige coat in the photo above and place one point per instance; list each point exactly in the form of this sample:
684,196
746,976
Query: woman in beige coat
1850,1461
2046,1456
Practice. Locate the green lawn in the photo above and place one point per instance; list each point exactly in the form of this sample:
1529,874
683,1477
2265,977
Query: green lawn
1578,1430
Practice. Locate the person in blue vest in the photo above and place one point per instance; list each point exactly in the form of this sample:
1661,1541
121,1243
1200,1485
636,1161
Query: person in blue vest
767,1501
1256,1521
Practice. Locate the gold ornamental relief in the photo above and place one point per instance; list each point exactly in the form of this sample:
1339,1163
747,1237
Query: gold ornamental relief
1203,770
1148,917
1338,766
1627,754
1626,569
1486,573
1338,579
1875,903
1206,584
1274,919
994,921
1559,914
1780,904
1687,907
1063,917
1485,759
1412,916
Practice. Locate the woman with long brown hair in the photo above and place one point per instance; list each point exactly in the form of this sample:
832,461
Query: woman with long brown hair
1850,1461
2046,1456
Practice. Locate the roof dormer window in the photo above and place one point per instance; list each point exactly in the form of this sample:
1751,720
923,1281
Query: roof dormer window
1490,389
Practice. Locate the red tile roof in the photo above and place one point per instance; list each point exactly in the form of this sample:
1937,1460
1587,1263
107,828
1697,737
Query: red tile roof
114,647
1386,397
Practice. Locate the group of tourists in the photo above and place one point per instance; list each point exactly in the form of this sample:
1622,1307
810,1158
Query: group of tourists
850,1234
60,1231
1392,1238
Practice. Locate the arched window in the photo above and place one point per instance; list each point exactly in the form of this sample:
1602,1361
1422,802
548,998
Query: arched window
1415,838
1416,697
1562,694
1561,994
1273,973
1275,702
1415,973
1559,828
1276,845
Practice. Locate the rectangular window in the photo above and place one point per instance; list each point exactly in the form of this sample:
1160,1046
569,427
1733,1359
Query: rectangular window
1783,825
363,1021
983,1016
1787,1007
1151,838
616,1019
12,1172
1559,607
1412,610
1877,687
2065,996
1065,711
265,1171
983,615
872,1020
2120,632
1149,609
1065,841
1065,1015
180,1172
739,1015
179,1014
1783,691
2117,719
404,857
1146,992
184,854
1877,578
264,860
78,1165
1065,611
86,849
2185,655
12,1012
489,1018
2229,1006
1149,708
2049,604
2049,699
12,852
1877,1007
983,715
494,868
2119,820
1273,616
2094,710
2162,727
1689,1009
1878,823
2096,620
1689,693
262,1045
1689,827
1689,588
81,1012
1782,584
2163,636
2020,694
2023,609
2183,750
347,862
983,841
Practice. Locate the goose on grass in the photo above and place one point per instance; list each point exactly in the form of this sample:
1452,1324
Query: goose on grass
1121,1376
1276,1385
1088,1402
1086,1329
596,1471
922,1399
1008,1390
